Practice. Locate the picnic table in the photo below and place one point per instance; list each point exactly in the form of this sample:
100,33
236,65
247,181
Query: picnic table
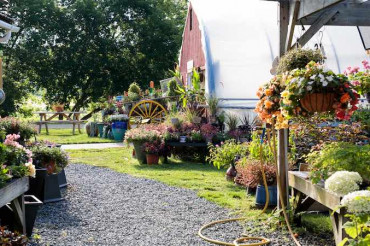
63,117
306,193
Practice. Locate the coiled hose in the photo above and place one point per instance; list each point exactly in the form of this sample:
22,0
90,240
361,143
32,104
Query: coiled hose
245,237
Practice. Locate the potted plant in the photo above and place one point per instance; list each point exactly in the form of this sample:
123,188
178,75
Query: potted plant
119,126
12,125
360,79
196,136
315,89
144,133
12,238
49,162
134,92
212,102
152,150
208,131
58,107
222,156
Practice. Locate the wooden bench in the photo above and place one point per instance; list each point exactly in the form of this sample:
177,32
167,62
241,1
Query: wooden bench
13,193
306,193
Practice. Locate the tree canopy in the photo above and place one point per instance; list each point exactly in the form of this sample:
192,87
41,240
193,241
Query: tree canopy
81,50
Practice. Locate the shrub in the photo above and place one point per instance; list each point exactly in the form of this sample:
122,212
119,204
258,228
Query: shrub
134,92
339,156
13,126
249,173
223,155
298,58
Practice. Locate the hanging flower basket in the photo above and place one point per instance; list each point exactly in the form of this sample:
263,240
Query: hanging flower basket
318,102
58,107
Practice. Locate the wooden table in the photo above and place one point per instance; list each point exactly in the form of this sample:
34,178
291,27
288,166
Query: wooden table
13,193
306,193
66,118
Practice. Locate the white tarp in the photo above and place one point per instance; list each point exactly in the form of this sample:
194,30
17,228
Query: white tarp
240,42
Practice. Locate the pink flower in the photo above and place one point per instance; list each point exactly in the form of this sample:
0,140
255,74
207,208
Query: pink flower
355,83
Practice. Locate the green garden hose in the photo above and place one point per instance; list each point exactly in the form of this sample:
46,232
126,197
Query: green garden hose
245,238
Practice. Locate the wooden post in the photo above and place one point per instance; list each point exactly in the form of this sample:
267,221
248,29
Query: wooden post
283,134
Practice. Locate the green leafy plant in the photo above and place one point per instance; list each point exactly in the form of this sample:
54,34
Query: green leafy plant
232,121
254,149
191,96
358,230
223,155
196,136
298,58
173,88
134,92
339,156
4,177
212,102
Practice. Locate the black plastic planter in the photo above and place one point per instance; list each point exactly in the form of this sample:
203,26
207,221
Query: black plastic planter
37,184
32,205
45,187
62,179
51,189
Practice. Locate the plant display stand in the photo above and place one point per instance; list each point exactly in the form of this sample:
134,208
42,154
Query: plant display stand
13,193
306,193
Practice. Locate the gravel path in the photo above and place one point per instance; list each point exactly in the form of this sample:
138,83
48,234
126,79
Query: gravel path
103,207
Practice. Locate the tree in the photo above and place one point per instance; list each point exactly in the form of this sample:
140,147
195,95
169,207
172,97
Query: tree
81,50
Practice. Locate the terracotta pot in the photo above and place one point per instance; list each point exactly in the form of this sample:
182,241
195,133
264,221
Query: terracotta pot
50,167
318,102
152,159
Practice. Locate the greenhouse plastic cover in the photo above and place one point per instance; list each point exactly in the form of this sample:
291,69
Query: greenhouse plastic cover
240,40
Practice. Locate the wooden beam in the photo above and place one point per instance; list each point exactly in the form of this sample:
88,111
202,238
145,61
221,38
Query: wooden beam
282,134
293,22
309,7
315,27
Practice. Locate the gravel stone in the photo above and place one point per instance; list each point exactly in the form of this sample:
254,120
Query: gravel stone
104,207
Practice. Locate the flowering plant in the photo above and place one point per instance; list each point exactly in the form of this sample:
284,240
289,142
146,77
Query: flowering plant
343,182
316,79
155,147
360,79
146,133
119,117
357,202
268,106
52,158
208,131
14,126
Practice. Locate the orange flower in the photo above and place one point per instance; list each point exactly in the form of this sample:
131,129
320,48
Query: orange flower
268,92
345,98
268,104
259,93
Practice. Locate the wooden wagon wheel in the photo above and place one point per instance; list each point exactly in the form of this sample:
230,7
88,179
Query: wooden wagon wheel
146,112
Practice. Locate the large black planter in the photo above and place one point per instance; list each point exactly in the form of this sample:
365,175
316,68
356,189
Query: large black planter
62,179
261,195
45,187
32,205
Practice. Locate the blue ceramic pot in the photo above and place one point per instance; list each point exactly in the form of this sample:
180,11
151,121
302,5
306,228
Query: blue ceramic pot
119,129
261,195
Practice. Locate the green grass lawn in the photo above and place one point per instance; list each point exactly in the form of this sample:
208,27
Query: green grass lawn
65,136
206,180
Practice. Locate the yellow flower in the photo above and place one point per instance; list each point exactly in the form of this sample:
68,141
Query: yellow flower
285,94
286,101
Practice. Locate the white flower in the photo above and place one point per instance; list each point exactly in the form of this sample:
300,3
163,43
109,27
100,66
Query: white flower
293,80
322,77
324,83
343,182
309,88
310,82
313,77
357,202
31,169
329,78
300,81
